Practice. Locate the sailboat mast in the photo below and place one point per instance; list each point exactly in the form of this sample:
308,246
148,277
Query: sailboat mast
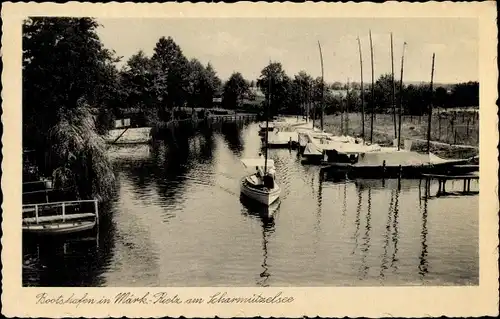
267,117
401,96
393,90
362,92
373,91
347,109
322,85
313,107
430,107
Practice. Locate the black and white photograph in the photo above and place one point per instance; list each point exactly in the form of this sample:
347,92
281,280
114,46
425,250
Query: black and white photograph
255,152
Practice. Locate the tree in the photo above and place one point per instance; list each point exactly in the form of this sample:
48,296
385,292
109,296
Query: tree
144,85
382,101
173,65
441,97
302,87
337,86
417,99
67,76
234,90
198,84
465,94
214,84
281,86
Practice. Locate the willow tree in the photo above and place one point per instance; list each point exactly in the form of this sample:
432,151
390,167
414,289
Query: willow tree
68,79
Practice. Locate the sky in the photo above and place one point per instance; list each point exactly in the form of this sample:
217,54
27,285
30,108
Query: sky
247,45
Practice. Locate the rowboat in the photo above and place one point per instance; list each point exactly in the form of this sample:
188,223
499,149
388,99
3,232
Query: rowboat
59,218
62,228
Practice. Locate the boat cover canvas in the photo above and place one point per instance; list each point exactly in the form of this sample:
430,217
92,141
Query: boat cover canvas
282,137
312,149
402,157
342,145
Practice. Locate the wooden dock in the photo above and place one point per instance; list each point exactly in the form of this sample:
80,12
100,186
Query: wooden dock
442,179
56,218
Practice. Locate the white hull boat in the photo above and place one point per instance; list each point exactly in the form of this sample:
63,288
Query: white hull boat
60,218
260,186
60,228
259,192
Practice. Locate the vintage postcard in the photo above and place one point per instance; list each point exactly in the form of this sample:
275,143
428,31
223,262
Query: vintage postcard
249,159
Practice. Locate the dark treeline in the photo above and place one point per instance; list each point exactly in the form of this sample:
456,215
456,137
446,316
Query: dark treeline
73,89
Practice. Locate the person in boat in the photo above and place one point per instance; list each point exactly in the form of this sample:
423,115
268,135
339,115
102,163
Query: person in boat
257,173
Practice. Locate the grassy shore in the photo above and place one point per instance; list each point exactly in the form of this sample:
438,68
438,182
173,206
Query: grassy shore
449,131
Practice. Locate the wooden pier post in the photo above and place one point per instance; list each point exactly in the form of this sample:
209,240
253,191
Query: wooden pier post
36,213
96,206
63,212
383,172
399,177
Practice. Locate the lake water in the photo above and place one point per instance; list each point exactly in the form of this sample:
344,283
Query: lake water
177,220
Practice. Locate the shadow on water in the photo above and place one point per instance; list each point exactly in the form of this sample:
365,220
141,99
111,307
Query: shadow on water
83,259
265,214
182,150
231,131
73,260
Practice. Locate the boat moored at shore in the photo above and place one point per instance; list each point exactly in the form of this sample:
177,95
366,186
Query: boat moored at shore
60,218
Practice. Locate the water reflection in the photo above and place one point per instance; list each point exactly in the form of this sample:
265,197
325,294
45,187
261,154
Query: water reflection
65,261
423,264
395,227
384,267
266,215
231,131
357,220
320,203
344,204
366,238
177,203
